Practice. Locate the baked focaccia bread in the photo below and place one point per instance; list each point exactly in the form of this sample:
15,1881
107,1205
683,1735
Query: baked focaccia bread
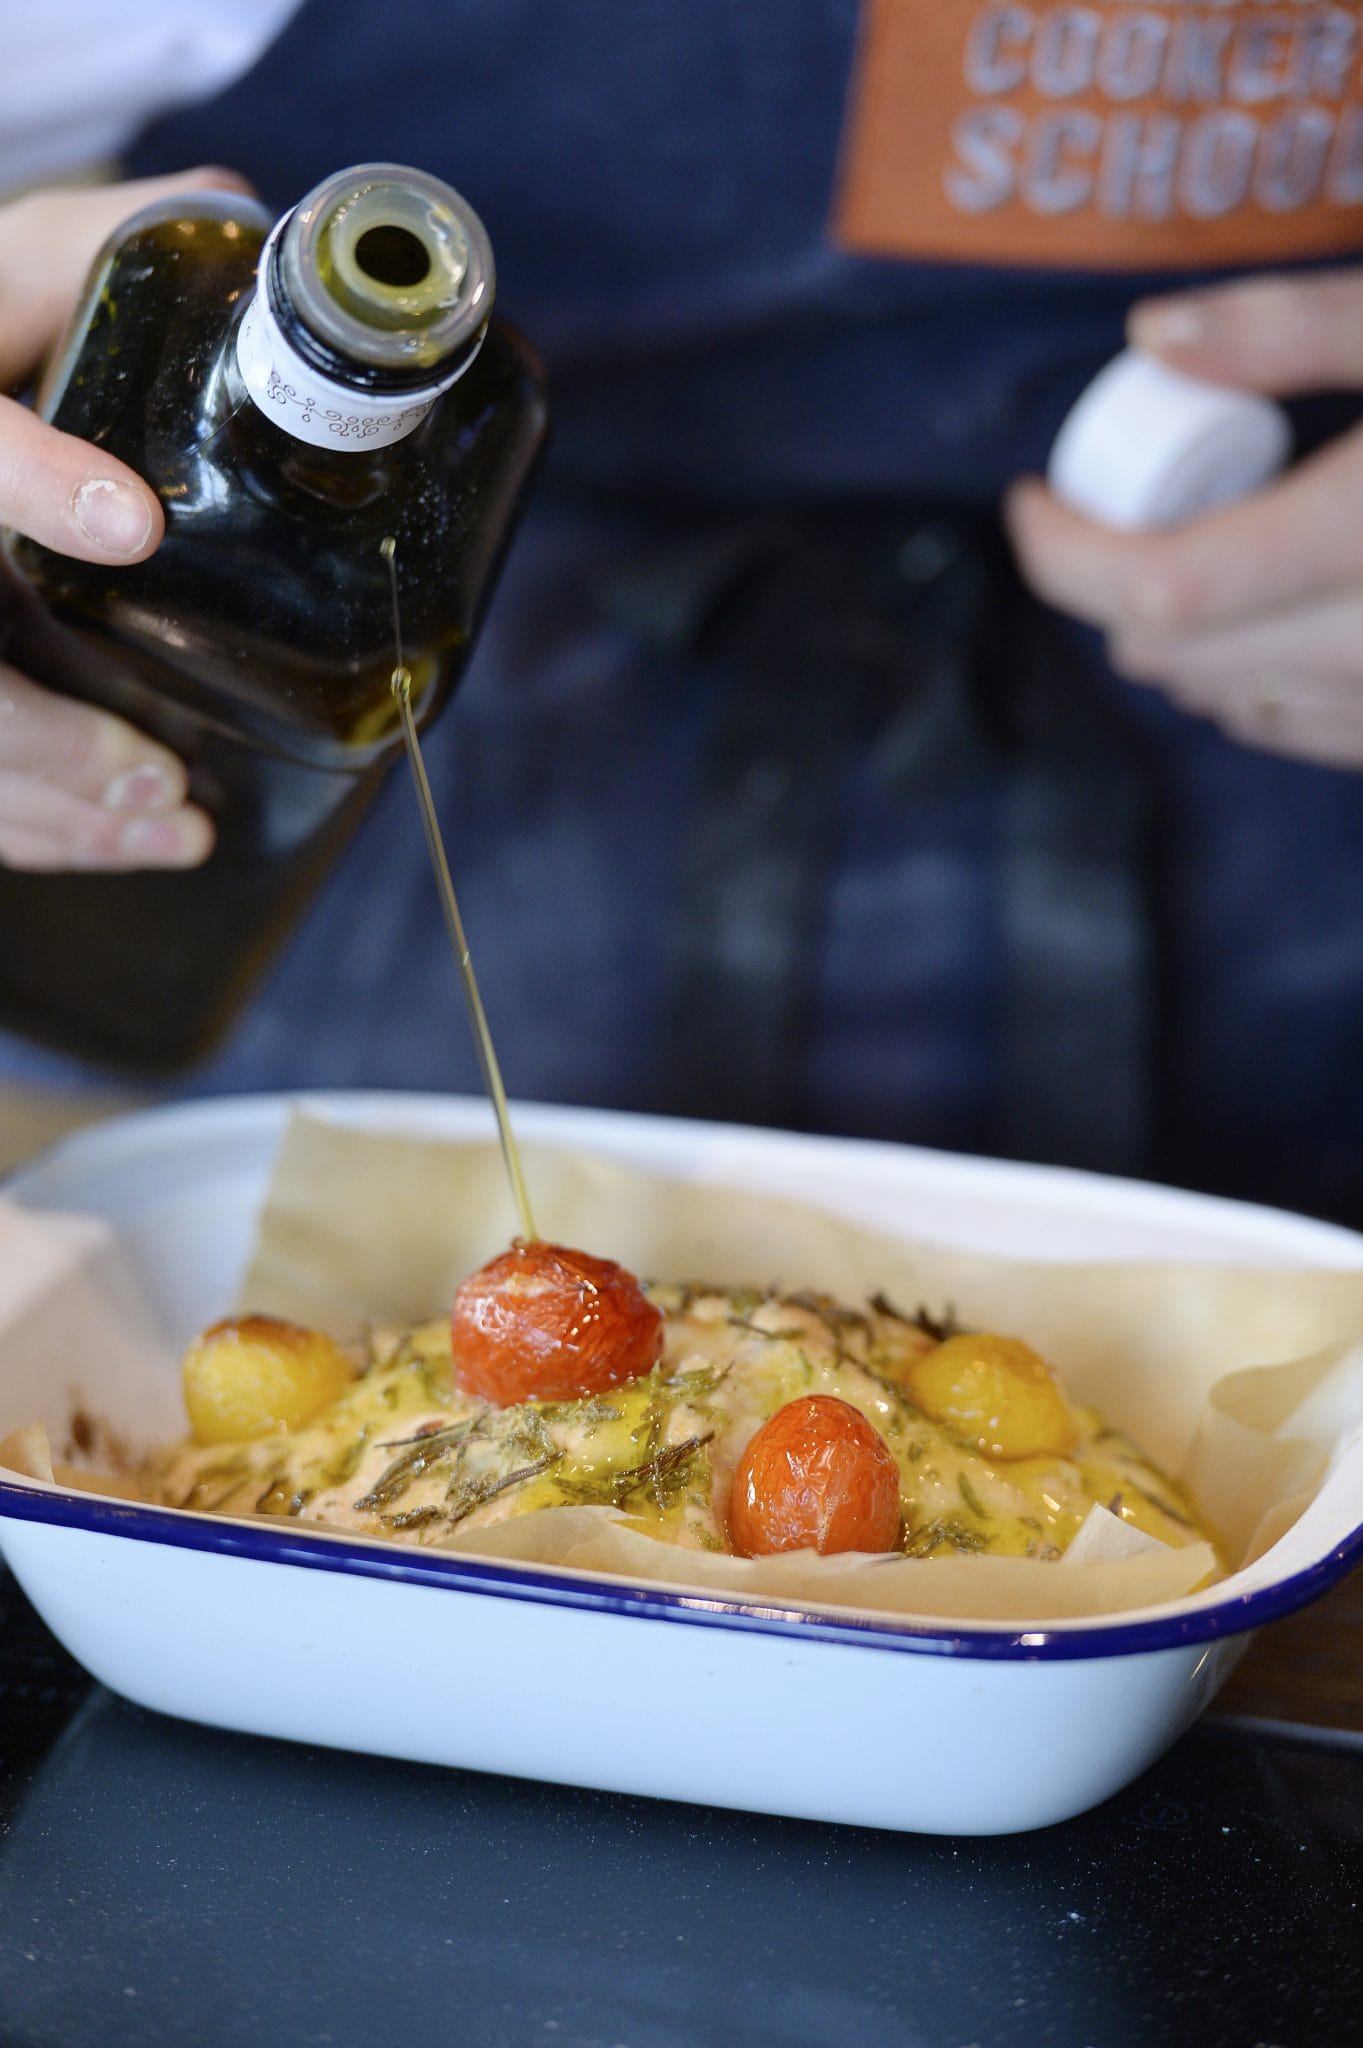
742,1421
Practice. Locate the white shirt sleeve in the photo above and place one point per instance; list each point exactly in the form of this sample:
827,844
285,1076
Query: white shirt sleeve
79,78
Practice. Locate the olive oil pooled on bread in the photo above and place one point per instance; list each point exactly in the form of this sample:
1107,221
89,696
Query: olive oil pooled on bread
293,396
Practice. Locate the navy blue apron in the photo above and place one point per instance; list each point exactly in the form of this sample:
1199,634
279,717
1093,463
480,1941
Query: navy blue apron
768,793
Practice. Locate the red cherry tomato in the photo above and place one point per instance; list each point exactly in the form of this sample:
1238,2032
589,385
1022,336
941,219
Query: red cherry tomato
816,1476
543,1323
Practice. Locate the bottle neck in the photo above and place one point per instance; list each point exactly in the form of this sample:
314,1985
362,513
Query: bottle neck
372,298
322,411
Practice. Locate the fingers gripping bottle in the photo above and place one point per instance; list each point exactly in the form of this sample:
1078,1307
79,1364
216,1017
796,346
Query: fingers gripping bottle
296,395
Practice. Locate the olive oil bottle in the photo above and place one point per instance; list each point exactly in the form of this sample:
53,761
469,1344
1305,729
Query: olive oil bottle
294,395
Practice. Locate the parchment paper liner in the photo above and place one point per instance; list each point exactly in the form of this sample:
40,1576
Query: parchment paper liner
1247,1383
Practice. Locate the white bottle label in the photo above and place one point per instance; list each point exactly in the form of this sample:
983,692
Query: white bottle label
311,407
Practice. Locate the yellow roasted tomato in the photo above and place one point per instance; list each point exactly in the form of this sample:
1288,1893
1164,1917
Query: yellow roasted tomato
247,1376
994,1393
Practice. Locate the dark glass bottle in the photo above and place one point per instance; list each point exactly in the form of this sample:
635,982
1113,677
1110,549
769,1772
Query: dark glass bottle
295,397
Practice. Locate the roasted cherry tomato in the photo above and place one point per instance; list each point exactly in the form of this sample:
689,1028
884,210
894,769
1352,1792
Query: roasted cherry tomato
817,1476
543,1323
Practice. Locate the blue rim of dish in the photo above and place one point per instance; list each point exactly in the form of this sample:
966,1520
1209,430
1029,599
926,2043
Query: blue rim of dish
456,1573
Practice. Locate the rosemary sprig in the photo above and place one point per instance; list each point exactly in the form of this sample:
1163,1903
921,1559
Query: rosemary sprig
756,1330
347,1464
418,1436
411,1518
939,1328
663,1473
1155,1500
945,1532
477,1492
587,1409
890,1385
276,1500
219,1500
428,1450
837,1321
971,1498
235,1470
694,1387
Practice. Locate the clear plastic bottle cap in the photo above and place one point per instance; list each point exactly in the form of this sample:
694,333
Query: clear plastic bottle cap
1145,446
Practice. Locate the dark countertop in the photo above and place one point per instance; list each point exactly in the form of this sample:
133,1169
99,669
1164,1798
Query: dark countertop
162,1883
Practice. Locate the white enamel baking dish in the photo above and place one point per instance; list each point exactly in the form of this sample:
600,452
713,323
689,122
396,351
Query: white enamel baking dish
592,1681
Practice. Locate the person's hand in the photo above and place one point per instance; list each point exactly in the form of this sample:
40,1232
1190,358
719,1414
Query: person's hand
79,788
1252,616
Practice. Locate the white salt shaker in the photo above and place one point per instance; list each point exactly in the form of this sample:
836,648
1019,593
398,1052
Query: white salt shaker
1146,446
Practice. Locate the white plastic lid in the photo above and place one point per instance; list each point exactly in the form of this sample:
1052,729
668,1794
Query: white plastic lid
1145,446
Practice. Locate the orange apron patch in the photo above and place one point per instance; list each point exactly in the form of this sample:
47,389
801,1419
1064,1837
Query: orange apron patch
1104,134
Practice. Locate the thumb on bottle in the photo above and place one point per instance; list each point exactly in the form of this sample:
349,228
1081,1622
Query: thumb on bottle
1280,334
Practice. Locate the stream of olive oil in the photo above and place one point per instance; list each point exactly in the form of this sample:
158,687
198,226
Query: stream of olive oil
454,923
